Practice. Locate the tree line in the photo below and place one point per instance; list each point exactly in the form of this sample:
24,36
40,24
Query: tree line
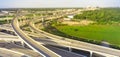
106,15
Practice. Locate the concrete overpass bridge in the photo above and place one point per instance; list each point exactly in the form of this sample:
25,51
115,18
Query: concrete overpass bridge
15,40
6,27
32,43
60,40
62,52
108,52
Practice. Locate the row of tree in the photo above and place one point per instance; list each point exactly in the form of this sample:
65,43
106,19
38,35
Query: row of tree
102,15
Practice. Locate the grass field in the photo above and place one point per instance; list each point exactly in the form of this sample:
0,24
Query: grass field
109,33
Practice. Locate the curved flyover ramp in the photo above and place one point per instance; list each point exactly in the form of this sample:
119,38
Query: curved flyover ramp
32,43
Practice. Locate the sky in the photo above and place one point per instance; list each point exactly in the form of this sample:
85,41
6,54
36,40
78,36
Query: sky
57,3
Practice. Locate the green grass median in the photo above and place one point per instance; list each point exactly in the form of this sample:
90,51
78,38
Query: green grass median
109,33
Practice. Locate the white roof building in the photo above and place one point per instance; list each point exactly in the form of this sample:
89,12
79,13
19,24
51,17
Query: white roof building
71,16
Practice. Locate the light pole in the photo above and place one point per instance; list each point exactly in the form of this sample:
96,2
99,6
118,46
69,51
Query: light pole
7,17
43,19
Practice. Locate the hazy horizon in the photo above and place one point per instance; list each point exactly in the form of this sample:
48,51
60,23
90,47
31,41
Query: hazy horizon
57,3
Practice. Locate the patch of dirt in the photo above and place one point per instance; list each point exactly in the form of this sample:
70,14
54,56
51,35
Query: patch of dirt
82,22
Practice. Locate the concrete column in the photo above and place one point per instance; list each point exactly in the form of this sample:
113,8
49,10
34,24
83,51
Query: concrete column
32,30
11,32
22,43
8,21
91,53
12,42
70,49
6,31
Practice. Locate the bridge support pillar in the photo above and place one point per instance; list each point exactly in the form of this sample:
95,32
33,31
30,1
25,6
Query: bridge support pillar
32,30
12,33
12,42
70,49
22,43
8,21
91,53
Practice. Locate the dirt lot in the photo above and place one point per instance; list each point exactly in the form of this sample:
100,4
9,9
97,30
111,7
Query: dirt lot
82,22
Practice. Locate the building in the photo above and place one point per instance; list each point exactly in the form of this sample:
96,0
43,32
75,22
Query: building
2,13
71,16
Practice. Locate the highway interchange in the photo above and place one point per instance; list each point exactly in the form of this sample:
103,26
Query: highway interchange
45,46
82,45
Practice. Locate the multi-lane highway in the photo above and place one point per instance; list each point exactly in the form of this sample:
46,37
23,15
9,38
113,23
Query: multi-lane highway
62,52
10,53
77,44
45,52
109,52
32,43
11,38
6,27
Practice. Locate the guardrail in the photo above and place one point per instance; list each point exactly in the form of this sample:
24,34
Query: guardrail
30,42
